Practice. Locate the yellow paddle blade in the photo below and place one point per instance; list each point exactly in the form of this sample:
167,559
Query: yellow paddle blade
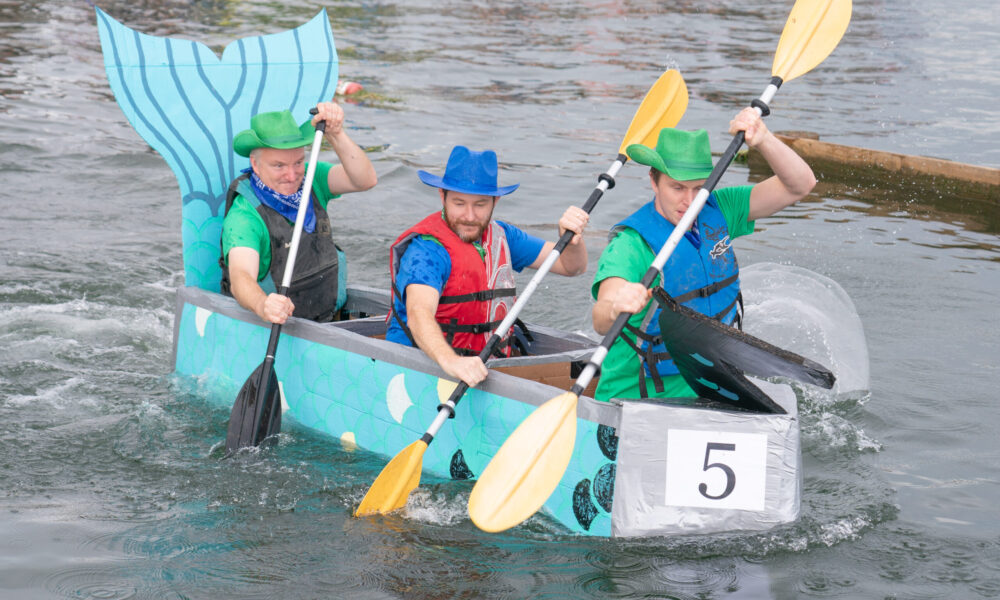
813,30
663,106
527,468
393,485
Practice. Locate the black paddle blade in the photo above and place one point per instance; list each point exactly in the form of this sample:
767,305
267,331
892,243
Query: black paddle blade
713,357
256,413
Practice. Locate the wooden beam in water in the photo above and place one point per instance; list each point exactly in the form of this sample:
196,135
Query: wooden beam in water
850,164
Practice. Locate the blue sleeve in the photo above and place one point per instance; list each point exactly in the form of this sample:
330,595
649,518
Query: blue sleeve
524,247
425,262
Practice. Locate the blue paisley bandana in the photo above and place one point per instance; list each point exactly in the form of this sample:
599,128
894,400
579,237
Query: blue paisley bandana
693,235
287,205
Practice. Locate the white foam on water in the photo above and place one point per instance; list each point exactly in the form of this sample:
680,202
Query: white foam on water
151,410
809,314
58,396
847,528
79,319
438,509
835,431
170,284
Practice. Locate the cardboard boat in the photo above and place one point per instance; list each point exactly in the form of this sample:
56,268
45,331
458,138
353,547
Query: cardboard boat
639,467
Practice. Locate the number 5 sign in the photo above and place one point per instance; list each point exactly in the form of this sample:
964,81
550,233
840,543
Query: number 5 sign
716,469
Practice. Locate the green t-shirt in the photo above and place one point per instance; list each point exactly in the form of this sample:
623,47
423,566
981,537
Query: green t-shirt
243,226
629,257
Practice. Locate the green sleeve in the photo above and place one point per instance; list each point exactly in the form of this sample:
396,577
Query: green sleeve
734,202
322,191
626,256
244,228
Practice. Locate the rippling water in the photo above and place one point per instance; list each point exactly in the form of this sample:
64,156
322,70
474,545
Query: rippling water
110,480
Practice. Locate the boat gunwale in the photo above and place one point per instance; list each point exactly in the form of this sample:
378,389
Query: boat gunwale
329,334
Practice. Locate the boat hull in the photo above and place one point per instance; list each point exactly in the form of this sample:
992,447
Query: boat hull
341,380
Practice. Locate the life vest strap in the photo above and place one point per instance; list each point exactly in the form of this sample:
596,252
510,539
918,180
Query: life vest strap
480,296
454,327
738,320
708,290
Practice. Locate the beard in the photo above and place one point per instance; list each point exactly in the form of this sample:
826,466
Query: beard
468,231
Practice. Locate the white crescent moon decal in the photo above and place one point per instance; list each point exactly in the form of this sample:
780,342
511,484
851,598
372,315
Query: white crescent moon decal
201,316
396,398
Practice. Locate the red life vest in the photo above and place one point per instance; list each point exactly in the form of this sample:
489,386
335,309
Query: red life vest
480,289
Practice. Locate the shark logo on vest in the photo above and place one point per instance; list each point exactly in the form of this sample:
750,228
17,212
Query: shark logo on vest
721,247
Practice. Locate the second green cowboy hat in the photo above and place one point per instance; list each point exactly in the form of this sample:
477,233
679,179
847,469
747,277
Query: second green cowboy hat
683,155
273,130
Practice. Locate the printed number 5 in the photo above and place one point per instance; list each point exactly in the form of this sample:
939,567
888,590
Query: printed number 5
730,475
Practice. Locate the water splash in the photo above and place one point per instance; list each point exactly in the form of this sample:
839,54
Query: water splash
809,314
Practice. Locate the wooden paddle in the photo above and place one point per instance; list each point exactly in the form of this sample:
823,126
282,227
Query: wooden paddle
663,106
256,414
531,462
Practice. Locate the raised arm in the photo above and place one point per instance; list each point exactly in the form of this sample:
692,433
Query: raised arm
792,179
355,172
573,260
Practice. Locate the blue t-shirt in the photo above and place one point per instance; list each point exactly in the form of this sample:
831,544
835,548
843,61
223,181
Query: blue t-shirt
427,262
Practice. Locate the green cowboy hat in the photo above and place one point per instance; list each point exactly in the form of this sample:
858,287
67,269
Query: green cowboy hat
683,155
273,130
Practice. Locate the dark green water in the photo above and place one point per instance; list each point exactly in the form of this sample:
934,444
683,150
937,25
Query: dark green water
110,480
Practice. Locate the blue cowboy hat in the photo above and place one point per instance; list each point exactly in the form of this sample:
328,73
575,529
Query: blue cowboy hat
469,172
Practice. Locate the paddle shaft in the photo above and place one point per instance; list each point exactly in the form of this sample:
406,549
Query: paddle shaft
605,181
534,458
286,279
587,375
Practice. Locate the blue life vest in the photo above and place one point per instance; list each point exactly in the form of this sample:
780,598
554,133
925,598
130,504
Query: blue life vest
701,274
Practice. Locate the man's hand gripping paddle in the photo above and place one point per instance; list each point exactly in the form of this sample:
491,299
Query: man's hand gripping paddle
530,464
663,106
256,414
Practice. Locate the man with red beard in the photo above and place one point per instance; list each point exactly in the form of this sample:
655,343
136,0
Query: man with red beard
453,272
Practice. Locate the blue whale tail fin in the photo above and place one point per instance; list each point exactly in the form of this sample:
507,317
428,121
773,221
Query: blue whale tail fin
187,103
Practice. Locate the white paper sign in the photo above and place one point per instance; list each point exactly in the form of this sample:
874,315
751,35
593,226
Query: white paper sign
716,469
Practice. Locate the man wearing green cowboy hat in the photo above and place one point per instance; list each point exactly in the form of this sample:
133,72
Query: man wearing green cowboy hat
261,207
453,272
702,272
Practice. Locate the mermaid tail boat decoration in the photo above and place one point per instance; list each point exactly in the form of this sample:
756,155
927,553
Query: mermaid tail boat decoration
637,466
187,103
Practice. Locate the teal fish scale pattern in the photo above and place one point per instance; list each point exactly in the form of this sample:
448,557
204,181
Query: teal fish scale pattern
383,407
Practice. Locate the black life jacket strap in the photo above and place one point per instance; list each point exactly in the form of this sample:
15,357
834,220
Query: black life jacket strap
708,290
639,333
480,296
521,338
649,358
449,333
718,316
453,327
738,322
406,330
231,193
